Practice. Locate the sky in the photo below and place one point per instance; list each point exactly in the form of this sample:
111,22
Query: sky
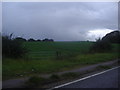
0,17
61,21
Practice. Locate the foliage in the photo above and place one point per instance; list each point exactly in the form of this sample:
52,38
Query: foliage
12,48
105,44
101,46
14,68
31,40
113,37
47,40
38,40
20,39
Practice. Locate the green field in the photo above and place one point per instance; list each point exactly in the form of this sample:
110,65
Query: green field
42,58
47,50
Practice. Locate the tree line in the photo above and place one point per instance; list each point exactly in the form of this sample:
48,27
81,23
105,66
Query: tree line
13,47
33,40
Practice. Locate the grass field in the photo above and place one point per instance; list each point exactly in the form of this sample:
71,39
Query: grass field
15,68
42,58
42,50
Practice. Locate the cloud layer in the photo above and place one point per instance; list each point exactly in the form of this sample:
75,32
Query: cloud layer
62,21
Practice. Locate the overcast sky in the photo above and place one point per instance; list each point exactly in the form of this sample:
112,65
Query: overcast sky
61,21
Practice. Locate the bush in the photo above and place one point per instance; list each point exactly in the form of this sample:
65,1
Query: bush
101,46
12,48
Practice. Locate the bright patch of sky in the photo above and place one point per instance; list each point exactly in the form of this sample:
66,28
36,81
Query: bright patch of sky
97,33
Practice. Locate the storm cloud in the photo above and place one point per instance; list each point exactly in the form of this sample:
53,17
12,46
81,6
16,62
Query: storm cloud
61,21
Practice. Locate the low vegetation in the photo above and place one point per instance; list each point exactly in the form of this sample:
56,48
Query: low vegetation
103,67
35,81
48,57
101,46
56,50
16,68
70,75
55,77
12,48
105,44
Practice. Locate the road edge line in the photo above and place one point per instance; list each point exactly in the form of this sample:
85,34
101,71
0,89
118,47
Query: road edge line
83,78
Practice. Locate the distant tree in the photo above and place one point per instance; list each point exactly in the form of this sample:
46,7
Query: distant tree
51,40
31,40
88,41
39,40
47,40
20,39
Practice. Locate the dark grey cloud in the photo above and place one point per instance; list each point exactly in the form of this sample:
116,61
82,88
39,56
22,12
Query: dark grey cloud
59,20
0,17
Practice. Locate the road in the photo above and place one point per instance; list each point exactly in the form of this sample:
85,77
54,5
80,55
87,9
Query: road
107,79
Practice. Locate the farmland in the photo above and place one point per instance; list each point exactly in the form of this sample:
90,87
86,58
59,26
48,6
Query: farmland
44,50
42,58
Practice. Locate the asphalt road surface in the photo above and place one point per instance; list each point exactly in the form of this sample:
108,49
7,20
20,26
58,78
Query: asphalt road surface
108,79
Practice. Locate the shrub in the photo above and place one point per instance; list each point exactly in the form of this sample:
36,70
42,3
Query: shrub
101,46
12,48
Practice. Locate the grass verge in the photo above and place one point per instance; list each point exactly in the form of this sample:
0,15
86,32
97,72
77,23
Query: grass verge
20,68
55,79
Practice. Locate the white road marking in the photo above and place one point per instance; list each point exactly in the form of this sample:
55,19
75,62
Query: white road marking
84,78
